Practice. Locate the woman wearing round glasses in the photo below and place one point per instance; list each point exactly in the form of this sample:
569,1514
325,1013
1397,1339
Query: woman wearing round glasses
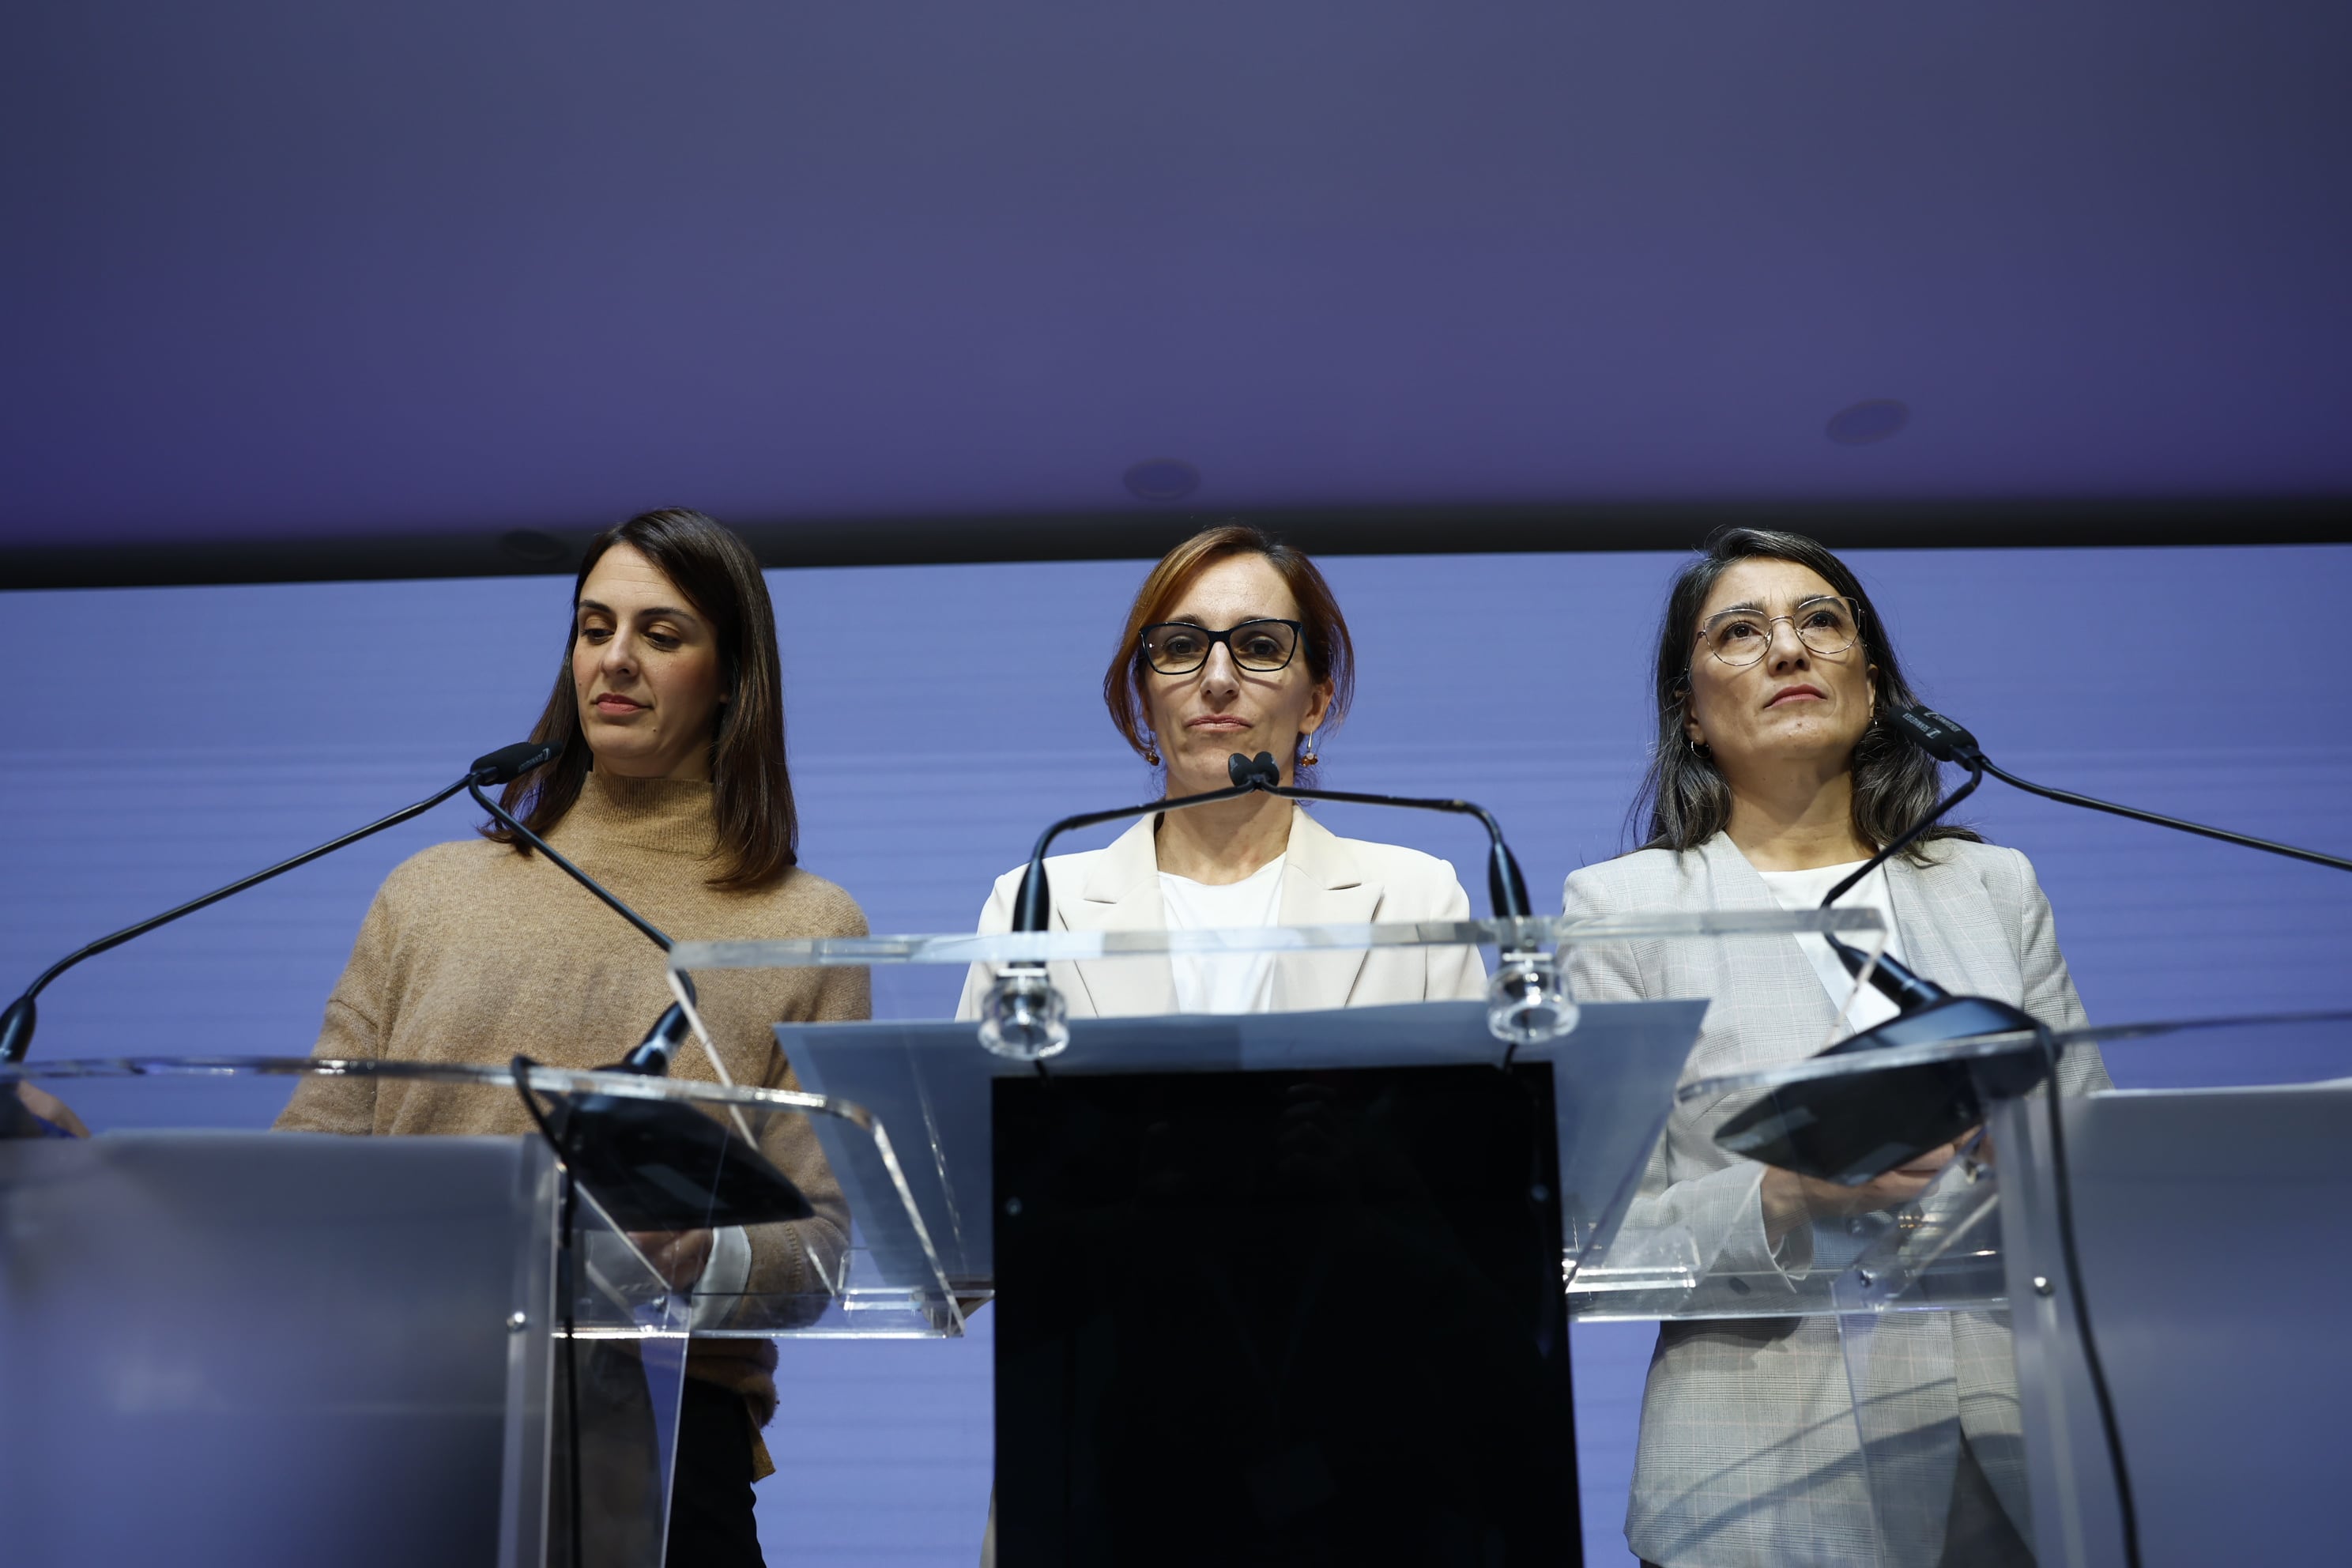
1771,779
1235,644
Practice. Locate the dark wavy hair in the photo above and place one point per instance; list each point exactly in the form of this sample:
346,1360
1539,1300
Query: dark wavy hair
752,789
1686,796
1323,639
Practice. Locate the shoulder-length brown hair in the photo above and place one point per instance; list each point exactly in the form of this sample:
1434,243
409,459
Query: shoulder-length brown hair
751,788
1686,796
1330,654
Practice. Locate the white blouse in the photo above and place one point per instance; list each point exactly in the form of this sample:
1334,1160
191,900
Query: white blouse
1224,982
1804,890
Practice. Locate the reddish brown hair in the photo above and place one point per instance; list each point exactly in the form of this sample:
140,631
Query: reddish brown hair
1330,655
752,789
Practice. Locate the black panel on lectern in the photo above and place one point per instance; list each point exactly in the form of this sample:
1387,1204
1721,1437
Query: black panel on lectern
1293,1318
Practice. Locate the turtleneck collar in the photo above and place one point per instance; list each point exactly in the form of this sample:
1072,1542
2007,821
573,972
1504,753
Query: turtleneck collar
669,816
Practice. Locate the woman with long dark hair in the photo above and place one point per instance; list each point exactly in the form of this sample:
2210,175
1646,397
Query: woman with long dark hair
1773,776
672,790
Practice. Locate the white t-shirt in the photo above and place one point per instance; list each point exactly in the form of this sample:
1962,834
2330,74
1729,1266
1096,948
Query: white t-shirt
1803,891
1223,982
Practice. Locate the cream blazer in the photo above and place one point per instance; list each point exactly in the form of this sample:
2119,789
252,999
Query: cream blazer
1749,1454
1326,880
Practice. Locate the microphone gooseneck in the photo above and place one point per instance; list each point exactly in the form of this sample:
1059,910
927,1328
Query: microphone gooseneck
1892,979
501,766
651,932
1947,741
652,1055
1033,904
1024,1015
1506,889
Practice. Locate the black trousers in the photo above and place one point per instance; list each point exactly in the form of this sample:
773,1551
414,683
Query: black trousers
711,1519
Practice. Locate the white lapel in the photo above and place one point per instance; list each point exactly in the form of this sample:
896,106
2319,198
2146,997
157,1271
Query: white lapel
1121,892
1322,884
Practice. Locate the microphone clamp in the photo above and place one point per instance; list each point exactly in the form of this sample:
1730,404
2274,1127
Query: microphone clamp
1937,736
509,764
1254,772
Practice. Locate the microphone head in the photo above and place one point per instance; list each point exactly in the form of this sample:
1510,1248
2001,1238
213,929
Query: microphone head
1937,735
1259,771
509,764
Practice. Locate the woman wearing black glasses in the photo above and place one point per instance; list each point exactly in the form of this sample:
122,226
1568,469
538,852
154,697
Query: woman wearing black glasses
1772,778
1235,644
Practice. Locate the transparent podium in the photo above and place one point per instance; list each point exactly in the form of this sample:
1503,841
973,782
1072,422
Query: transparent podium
1269,1273
2141,1290
1934,1448
1284,1287
224,1344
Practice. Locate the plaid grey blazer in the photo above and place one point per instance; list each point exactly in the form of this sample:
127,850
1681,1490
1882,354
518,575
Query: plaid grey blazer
1749,1454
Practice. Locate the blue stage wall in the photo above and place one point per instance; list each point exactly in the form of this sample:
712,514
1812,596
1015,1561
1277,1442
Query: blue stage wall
173,739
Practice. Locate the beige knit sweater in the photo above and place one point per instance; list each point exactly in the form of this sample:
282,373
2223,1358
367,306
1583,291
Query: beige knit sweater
473,952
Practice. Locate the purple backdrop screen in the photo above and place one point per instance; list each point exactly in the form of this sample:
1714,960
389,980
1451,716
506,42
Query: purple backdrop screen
177,738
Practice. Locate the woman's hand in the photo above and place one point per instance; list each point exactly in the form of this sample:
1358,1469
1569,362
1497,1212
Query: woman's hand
51,1109
1791,1200
679,1257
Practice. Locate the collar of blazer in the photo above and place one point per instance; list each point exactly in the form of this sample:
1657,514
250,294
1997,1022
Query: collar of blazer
1323,884
1755,981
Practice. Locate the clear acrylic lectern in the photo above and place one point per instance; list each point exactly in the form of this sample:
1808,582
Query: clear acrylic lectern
1286,1286
220,1344
2144,1288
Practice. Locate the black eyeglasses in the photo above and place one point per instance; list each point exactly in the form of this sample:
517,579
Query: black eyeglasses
1180,648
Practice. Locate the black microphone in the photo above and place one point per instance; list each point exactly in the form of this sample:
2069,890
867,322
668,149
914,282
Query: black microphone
1852,1129
1898,983
509,764
652,1055
654,1164
500,766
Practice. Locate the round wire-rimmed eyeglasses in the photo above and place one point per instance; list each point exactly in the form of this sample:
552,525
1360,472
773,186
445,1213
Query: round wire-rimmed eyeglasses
1739,637
1180,648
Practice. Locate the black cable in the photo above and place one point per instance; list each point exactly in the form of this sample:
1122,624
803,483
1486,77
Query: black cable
566,1290
2068,797
2063,1187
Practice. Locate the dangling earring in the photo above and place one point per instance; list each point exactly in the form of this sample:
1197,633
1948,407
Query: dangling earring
1307,757
1151,750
